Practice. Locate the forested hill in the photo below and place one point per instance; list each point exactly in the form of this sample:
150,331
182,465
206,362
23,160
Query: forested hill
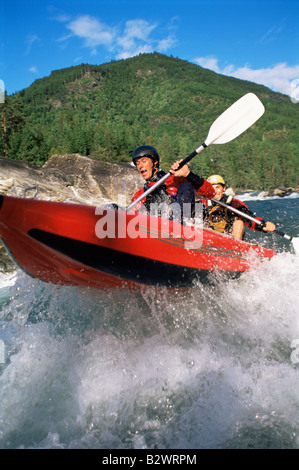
105,111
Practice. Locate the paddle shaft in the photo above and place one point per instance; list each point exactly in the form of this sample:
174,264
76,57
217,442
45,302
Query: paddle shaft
167,175
229,125
246,216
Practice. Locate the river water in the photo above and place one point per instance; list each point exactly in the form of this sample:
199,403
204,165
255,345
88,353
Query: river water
204,368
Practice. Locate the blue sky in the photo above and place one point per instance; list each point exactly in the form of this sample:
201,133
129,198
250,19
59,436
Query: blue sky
253,40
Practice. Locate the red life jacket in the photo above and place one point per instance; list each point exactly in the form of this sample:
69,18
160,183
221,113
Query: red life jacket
173,183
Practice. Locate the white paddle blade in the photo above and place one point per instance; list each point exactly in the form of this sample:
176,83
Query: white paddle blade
236,119
295,242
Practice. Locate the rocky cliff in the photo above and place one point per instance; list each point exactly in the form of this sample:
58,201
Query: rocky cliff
70,178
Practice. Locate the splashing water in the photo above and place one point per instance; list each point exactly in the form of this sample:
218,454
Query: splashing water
207,367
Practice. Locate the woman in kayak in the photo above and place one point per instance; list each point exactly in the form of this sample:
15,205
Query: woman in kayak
223,220
178,188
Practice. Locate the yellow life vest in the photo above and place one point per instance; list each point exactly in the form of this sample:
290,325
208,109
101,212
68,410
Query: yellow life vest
220,218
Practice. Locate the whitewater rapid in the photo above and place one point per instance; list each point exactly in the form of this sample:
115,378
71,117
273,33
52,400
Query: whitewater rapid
208,367
260,196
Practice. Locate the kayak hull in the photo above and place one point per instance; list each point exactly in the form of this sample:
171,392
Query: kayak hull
72,244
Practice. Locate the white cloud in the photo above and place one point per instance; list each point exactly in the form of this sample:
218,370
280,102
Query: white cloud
139,29
209,62
278,77
33,69
272,33
30,40
165,44
92,31
136,39
62,18
137,36
126,53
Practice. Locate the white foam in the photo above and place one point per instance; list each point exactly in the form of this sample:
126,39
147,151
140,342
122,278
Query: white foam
8,279
260,196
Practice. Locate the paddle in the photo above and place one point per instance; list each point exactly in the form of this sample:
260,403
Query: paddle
229,125
294,240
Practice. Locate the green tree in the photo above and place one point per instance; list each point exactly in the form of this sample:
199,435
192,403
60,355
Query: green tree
12,121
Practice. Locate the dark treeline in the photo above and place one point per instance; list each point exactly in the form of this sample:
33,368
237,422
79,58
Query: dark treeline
106,111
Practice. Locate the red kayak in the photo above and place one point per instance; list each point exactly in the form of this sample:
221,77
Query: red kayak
81,245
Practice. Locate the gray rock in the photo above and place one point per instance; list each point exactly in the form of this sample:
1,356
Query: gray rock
279,191
70,178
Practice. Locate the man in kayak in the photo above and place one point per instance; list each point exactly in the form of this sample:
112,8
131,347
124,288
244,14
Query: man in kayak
223,220
178,188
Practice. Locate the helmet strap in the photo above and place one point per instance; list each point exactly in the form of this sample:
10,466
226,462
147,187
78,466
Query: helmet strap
155,168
